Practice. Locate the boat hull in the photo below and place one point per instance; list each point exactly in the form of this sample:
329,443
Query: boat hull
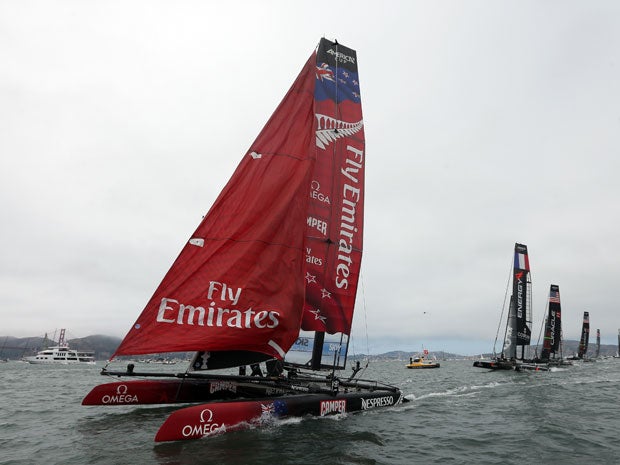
531,367
218,417
34,361
495,364
418,366
498,364
171,391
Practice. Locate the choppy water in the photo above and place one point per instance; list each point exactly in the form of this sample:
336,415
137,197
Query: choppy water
457,414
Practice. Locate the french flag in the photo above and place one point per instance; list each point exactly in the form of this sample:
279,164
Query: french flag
521,261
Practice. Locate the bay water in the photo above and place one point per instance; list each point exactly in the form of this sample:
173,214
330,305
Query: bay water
457,414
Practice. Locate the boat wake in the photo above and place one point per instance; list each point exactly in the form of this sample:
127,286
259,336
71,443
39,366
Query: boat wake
460,391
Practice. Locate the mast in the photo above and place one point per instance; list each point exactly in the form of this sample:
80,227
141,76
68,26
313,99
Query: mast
317,350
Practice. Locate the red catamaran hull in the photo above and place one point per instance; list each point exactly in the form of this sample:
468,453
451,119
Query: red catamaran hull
219,417
142,392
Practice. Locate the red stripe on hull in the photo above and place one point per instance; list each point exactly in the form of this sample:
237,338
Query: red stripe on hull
137,392
209,419
134,392
220,417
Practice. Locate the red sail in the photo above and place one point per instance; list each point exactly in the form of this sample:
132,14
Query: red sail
335,215
238,284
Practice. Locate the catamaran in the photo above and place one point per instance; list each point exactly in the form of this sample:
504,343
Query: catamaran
552,339
269,276
582,349
518,325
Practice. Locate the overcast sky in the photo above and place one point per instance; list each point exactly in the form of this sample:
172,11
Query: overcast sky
487,123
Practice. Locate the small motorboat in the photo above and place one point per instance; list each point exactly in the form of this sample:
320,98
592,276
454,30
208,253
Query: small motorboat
421,362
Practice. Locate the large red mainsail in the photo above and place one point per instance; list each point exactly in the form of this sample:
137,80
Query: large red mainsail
286,227
238,282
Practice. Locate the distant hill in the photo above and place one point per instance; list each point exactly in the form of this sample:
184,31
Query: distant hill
568,348
104,346
404,355
571,347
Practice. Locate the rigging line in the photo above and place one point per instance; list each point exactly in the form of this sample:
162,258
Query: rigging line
365,319
501,317
181,384
544,320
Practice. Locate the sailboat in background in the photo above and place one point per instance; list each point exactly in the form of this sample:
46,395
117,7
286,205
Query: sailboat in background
582,349
618,350
598,344
552,339
270,275
518,325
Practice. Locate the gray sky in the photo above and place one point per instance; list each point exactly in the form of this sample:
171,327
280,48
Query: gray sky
487,123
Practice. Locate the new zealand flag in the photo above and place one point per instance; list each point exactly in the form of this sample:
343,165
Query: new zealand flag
336,84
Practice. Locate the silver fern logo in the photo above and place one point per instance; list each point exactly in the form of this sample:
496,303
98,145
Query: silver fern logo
330,129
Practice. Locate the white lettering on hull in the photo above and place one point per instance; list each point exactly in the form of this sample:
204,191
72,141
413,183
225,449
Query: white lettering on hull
377,402
121,397
206,426
333,406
